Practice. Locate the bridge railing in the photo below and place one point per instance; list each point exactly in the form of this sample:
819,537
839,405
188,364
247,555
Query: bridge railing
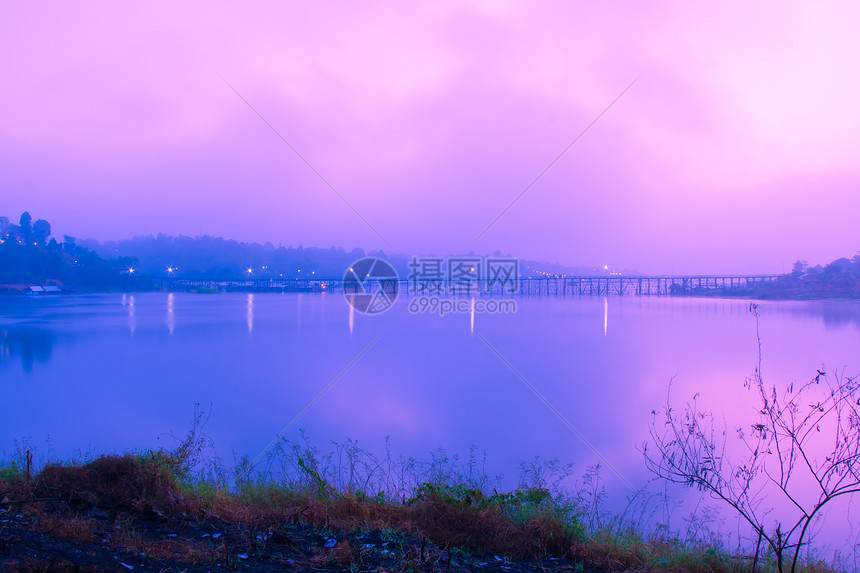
645,285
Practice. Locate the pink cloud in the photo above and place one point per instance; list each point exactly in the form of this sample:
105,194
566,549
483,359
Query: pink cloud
430,118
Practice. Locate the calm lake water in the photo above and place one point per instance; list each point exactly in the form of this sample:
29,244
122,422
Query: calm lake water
112,372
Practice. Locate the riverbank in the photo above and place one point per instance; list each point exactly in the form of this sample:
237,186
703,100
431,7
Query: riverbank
144,511
774,294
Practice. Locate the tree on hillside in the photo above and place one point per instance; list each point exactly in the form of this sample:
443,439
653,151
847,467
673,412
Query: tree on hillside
840,273
25,225
799,267
41,231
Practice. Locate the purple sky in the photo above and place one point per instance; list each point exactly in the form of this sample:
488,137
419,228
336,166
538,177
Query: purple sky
737,150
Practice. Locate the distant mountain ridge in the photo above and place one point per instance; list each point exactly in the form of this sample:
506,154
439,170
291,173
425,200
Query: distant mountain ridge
30,255
220,258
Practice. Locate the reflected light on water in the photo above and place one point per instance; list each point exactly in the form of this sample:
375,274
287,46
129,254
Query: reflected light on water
605,315
472,316
132,322
171,318
250,314
351,313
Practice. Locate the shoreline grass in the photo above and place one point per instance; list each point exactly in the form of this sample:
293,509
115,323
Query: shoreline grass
454,517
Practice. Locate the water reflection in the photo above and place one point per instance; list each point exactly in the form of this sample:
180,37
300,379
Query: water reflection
132,321
605,315
351,313
404,385
28,345
171,318
249,318
472,317
834,314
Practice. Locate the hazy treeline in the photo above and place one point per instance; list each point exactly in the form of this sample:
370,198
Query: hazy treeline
30,255
837,279
224,259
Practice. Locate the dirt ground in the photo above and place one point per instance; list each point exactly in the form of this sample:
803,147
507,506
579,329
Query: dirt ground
51,536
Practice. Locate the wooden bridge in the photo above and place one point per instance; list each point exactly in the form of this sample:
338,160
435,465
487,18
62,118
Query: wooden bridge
525,286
